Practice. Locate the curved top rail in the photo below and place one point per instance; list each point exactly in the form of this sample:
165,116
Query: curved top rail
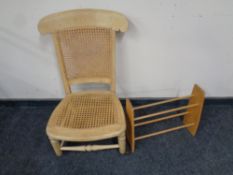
83,18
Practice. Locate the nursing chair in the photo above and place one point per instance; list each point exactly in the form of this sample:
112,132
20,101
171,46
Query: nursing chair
85,46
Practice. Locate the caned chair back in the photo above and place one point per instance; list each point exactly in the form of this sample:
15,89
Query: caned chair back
85,44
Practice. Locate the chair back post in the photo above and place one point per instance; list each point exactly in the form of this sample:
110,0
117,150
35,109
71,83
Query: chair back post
61,64
113,81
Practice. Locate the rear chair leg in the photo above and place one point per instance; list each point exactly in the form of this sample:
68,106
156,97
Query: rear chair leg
121,142
56,146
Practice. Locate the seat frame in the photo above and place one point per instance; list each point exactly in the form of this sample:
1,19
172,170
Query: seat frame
75,19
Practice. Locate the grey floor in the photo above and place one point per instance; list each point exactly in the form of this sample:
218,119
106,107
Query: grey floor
24,148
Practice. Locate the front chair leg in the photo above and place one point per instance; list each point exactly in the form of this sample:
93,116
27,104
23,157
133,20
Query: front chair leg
121,142
56,146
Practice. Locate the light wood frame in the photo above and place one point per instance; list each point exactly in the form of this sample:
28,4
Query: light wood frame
80,18
191,116
76,19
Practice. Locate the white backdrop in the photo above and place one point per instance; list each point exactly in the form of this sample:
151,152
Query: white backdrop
170,45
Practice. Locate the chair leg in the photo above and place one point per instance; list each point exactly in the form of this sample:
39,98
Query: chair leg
121,142
56,146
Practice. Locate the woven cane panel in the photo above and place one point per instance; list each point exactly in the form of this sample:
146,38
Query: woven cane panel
86,111
87,52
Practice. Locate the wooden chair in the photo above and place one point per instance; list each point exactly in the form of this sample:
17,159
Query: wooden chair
191,116
85,46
